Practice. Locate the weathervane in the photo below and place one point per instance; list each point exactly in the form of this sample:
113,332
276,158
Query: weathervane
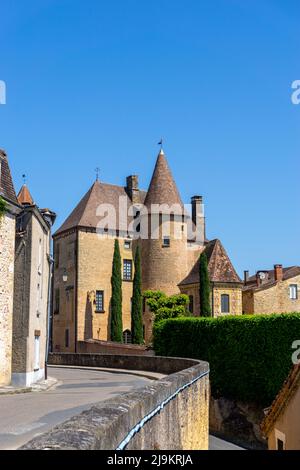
24,178
97,170
160,143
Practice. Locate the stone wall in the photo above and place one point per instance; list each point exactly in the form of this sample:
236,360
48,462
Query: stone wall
108,347
179,402
7,254
275,299
235,299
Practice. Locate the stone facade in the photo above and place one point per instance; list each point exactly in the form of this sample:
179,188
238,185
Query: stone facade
274,298
84,252
31,297
7,254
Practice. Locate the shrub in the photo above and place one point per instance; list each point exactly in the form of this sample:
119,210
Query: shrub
249,355
164,307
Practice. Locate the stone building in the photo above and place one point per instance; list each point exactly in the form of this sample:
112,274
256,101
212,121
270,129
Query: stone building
272,291
171,240
281,425
7,256
32,292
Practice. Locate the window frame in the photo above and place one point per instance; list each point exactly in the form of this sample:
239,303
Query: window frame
291,287
227,296
125,276
99,292
168,244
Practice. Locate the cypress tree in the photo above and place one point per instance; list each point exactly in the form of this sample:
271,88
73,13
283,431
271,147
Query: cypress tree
204,290
116,327
137,302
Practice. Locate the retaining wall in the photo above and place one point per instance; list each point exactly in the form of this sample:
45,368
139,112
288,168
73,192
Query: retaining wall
169,414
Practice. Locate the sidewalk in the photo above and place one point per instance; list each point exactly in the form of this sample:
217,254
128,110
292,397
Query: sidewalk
41,386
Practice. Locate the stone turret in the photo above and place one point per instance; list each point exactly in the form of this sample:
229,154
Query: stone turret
164,252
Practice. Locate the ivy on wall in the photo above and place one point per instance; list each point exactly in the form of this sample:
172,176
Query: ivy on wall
3,207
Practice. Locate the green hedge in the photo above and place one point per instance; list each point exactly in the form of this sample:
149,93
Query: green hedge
249,355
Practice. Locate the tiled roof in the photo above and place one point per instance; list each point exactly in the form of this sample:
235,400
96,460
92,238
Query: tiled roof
85,213
220,268
282,400
7,189
162,188
24,197
287,273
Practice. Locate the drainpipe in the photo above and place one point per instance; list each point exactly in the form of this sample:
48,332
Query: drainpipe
50,260
212,299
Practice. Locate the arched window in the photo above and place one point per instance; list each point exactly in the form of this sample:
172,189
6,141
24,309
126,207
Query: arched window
225,304
127,337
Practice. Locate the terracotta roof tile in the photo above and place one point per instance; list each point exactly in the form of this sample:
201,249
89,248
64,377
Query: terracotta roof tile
7,189
288,273
24,197
220,267
162,188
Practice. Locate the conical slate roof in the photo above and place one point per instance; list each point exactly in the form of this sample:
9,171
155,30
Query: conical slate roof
7,189
162,189
24,197
220,268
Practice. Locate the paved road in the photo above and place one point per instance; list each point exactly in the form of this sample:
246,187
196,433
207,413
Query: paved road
27,415
215,443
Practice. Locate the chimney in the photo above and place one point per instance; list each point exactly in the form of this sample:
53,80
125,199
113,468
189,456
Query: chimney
278,273
246,277
132,188
198,218
258,279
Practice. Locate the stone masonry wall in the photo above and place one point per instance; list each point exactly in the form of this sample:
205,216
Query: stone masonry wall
181,424
7,248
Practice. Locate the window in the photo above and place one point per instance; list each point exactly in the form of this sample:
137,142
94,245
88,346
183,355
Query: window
293,291
56,255
67,338
127,269
166,242
99,301
144,304
280,444
127,244
56,301
36,351
225,307
127,337
191,304
144,331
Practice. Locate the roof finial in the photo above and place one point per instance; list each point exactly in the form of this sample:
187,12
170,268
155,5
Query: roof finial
161,144
24,178
97,170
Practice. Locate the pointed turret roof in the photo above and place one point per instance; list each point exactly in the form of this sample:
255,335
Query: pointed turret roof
220,268
24,197
7,189
162,189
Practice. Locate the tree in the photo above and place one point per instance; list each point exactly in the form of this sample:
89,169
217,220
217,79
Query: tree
116,327
204,290
164,307
137,302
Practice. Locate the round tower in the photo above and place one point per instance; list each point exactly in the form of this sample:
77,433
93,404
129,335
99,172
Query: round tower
164,233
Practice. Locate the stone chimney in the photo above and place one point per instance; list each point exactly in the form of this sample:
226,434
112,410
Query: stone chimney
246,277
198,218
278,273
132,188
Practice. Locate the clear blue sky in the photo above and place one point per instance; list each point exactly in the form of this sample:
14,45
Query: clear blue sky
96,83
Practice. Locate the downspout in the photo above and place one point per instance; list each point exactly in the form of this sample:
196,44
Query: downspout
50,261
76,290
212,299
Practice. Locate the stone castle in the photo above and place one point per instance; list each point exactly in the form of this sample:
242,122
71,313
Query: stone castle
83,255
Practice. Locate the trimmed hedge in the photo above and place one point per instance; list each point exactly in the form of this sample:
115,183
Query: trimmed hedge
250,356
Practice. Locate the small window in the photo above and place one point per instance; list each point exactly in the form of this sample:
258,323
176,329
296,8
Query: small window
127,269
166,241
144,304
280,444
225,307
56,301
144,331
67,339
127,244
99,301
191,304
293,291
56,254
127,337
